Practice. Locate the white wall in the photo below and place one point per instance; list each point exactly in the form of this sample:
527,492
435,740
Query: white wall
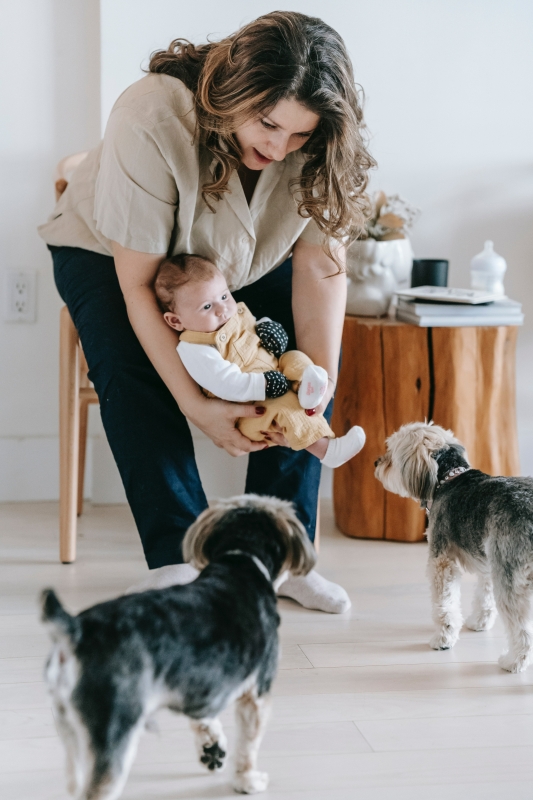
50,106
448,105
448,88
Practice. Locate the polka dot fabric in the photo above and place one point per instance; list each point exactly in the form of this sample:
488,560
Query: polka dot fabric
276,384
273,337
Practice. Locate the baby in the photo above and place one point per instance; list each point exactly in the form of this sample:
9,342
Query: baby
235,358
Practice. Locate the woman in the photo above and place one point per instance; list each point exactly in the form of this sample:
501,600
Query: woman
249,152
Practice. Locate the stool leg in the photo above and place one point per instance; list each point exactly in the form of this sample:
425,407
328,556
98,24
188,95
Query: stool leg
82,450
69,416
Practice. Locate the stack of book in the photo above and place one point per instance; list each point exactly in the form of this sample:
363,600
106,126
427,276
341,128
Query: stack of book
437,307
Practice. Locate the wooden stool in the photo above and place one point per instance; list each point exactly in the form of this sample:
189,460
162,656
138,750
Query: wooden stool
75,396
393,373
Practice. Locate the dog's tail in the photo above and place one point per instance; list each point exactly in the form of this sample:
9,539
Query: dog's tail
53,614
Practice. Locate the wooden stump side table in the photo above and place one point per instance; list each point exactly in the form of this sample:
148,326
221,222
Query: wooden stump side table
393,373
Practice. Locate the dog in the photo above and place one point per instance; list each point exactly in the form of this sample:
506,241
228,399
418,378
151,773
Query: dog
480,523
192,648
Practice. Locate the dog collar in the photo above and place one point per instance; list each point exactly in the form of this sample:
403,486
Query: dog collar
449,476
259,564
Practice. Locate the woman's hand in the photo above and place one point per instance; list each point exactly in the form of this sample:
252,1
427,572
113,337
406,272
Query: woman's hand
217,418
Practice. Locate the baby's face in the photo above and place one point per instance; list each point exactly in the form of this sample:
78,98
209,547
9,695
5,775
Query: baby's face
203,306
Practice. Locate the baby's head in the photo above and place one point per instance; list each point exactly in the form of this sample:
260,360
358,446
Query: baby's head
193,294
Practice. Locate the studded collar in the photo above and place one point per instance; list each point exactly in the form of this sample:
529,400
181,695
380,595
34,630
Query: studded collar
449,476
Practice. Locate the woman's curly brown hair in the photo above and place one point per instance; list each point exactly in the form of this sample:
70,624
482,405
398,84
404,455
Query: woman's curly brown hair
282,55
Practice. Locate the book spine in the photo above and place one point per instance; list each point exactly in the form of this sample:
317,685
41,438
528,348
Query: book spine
460,321
421,310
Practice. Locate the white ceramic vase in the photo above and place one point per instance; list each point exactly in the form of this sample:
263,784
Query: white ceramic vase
375,271
487,270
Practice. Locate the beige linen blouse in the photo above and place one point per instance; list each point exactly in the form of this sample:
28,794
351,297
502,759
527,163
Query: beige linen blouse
141,187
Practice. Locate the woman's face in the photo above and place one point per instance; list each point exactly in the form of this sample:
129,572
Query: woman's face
285,128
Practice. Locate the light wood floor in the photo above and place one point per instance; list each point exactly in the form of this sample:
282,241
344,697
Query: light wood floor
362,709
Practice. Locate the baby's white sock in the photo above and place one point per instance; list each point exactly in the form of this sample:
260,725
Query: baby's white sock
163,577
314,591
344,448
313,386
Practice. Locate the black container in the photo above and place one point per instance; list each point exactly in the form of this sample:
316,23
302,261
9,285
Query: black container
429,272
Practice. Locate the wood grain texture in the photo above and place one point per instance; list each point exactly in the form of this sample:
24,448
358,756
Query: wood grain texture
75,395
384,382
475,394
87,396
393,373
406,376
359,499
69,420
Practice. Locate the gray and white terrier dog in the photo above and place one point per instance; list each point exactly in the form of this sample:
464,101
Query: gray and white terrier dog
193,649
478,522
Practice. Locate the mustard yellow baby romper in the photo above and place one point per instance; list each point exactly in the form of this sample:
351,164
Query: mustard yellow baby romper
237,341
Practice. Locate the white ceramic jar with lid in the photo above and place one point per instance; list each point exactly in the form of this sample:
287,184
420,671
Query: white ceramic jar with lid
487,270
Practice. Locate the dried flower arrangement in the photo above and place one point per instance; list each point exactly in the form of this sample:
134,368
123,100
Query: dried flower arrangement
392,218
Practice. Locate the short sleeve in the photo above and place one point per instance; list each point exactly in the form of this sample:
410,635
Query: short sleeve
312,233
136,193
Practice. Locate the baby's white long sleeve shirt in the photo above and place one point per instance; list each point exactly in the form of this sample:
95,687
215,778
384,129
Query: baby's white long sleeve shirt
211,371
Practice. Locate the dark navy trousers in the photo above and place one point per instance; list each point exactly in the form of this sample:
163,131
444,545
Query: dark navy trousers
148,434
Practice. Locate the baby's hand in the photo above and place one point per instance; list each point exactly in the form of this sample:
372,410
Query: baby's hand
275,435
273,337
276,384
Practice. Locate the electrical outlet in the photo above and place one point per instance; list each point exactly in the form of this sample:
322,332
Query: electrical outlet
20,296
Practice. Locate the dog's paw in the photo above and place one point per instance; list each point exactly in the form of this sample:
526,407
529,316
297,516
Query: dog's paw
213,756
211,743
513,663
443,639
250,782
481,620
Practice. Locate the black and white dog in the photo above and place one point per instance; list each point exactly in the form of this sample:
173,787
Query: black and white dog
477,522
192,648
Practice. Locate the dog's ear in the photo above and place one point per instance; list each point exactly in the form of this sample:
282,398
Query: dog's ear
193,546
300,555
419,470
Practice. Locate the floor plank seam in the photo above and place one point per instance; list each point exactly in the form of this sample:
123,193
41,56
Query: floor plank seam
360,732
